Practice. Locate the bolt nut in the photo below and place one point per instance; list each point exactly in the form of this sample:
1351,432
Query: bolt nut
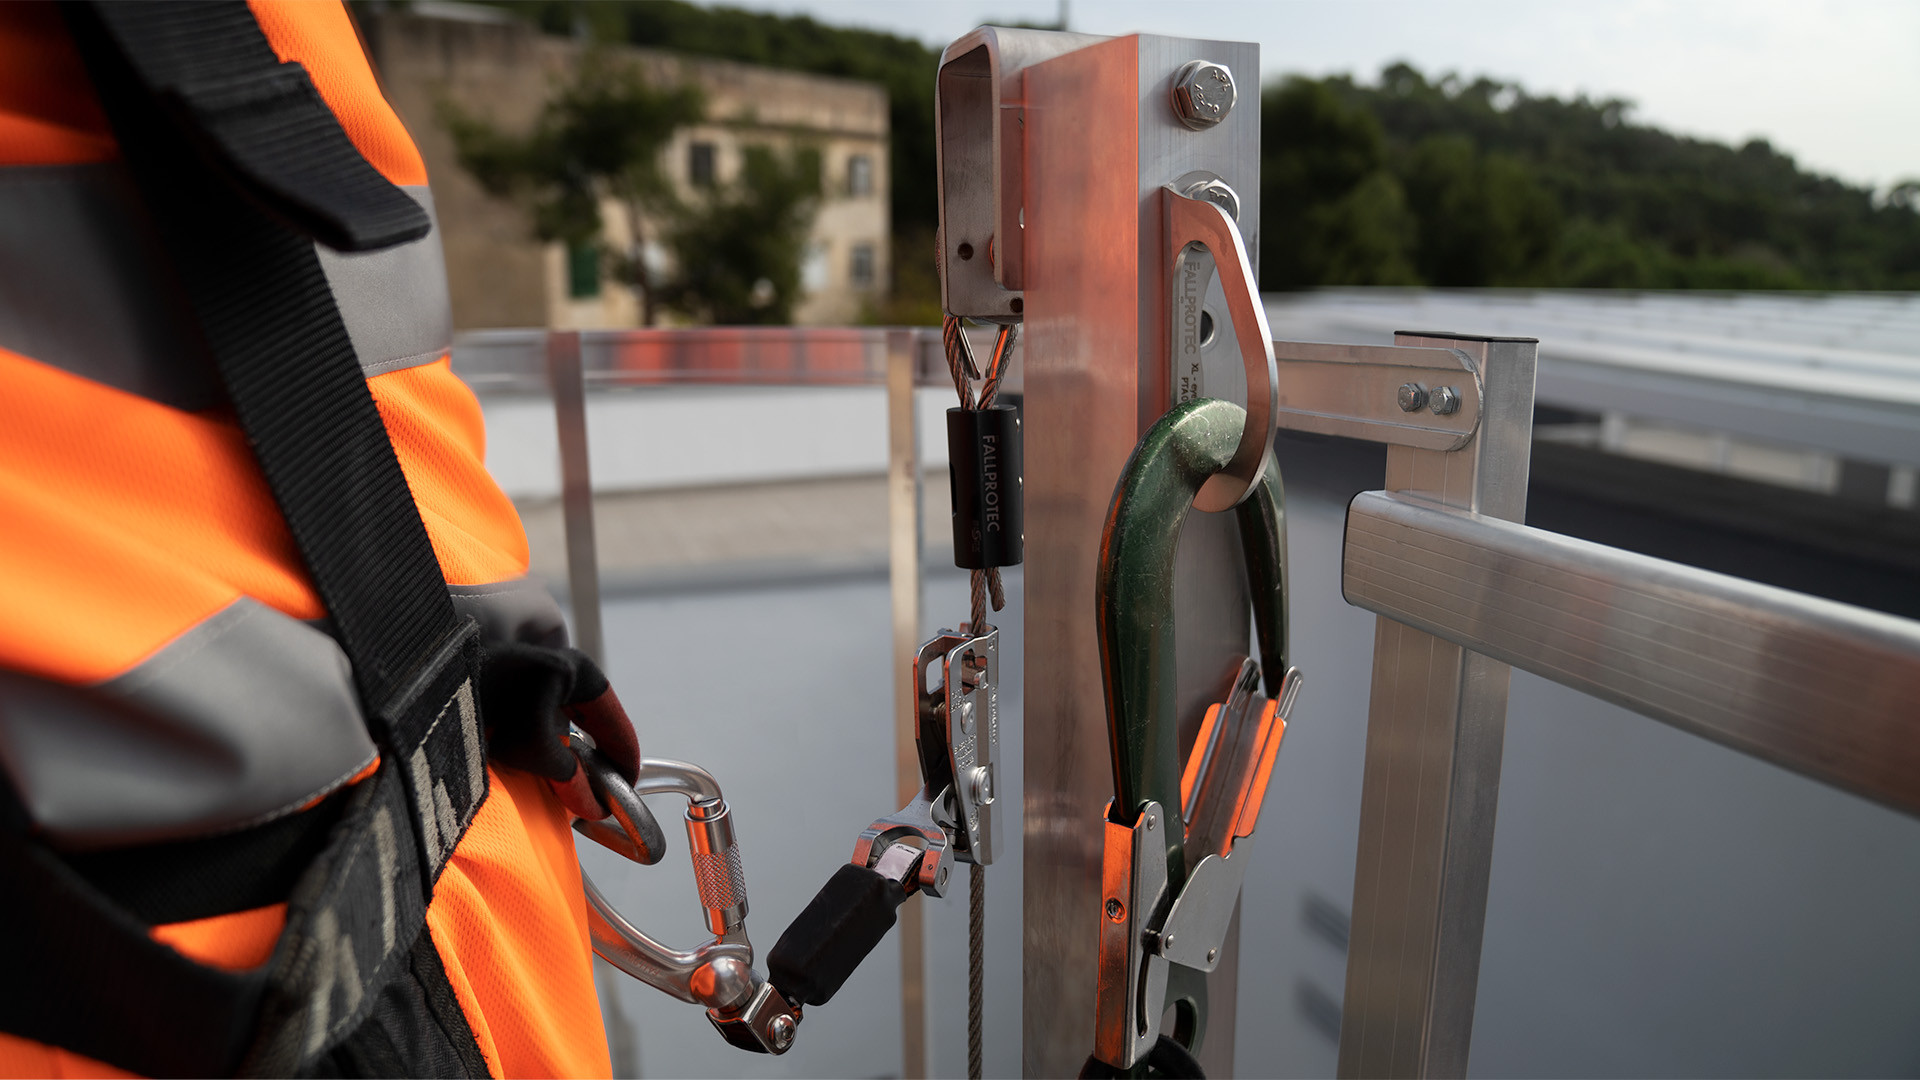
782,1030
980,784
1203,94
965,715
1116,911
1413,397
1443,400
1166,942
1219,194
1212,955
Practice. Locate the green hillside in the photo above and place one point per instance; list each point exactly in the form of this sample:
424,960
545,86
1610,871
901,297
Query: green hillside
1446,182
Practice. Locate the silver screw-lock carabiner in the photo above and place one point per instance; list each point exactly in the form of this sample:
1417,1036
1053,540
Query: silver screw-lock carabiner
718,974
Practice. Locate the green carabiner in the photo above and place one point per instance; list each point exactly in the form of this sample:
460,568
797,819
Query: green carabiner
1134,603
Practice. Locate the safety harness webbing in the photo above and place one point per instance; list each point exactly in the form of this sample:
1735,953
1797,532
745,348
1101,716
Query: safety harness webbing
198,82
243,166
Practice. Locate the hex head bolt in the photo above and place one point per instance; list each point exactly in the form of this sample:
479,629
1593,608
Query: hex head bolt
1203,94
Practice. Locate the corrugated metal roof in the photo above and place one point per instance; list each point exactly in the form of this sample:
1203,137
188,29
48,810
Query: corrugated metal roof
1833,372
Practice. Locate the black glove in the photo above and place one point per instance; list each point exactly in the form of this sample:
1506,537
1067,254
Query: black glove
529,694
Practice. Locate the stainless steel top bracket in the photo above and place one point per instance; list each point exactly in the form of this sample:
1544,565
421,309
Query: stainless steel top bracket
978,116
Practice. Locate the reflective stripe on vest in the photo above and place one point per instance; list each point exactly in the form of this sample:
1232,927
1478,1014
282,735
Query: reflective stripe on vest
246,717
84,287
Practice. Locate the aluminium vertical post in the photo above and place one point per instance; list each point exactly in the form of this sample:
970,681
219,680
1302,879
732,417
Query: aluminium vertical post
904,544
566,377
1101,139
1436,724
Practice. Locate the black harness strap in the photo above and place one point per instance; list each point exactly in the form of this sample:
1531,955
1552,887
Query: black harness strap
62,944
261,121
242,166
267,312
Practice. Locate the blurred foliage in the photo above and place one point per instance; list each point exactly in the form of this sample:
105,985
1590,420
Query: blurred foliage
1446,182
600,136
737,248
914,299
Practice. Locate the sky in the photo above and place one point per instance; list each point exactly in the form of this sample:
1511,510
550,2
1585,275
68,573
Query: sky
1835,84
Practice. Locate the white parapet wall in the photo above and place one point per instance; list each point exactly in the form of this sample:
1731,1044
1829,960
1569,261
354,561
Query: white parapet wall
680,437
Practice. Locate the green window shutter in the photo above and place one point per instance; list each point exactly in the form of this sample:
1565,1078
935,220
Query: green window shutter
583,271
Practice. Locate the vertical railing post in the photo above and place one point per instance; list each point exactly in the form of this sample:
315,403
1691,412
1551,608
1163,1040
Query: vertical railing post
1435,728
568,382
903,561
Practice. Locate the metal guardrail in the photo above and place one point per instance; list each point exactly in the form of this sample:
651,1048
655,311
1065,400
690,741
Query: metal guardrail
1824,689
1464,591
515,361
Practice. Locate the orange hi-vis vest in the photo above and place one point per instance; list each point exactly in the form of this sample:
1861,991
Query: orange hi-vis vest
167,680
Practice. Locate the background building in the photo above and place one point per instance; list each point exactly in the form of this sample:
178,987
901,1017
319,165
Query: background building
503,70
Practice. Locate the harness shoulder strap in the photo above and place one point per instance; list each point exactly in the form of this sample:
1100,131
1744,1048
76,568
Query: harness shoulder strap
261,121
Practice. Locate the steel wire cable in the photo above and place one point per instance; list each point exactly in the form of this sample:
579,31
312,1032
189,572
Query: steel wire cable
960,361
976,965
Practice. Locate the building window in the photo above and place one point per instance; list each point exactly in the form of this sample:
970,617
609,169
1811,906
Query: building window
816,271
861,271
859,176
583,271
700,169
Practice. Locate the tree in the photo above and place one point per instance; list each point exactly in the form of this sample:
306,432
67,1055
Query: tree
1330,210
600,136
1484,219
738,251
1505,188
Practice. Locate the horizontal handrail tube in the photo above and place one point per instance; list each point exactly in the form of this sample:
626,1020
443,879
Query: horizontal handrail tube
1821,688
515,360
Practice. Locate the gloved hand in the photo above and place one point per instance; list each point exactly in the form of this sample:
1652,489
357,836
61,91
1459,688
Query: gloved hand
529,694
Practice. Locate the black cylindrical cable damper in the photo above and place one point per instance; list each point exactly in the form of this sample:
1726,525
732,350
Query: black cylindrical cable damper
983,449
